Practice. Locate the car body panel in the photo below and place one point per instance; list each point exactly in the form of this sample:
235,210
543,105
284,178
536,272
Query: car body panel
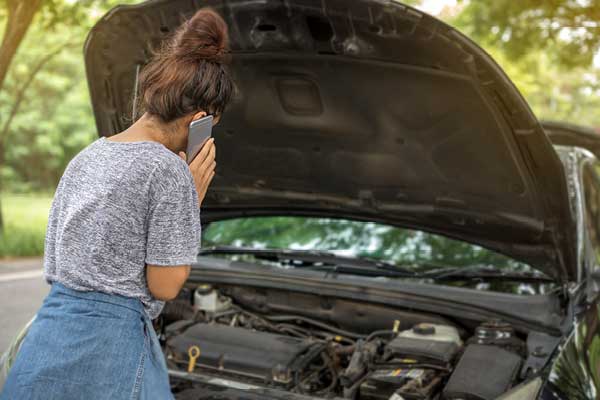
575,373
541,312
567,134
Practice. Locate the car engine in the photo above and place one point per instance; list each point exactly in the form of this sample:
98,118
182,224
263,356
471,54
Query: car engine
214,337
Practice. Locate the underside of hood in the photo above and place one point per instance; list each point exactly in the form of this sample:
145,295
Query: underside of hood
367,109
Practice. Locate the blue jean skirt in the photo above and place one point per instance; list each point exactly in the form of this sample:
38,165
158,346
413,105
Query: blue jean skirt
88,345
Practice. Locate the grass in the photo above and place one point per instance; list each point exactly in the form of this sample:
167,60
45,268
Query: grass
25,219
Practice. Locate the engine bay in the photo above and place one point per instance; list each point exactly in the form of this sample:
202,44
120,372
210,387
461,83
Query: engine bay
270,344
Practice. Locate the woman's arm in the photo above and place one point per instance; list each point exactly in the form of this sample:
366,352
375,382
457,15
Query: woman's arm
165,283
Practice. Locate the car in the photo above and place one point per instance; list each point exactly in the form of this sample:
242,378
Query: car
389,219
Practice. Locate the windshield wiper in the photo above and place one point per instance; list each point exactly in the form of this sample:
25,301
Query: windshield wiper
331,262
315,259
483,272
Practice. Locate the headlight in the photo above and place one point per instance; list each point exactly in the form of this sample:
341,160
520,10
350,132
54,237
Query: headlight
525,391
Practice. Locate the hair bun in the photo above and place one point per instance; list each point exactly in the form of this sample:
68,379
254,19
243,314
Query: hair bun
187,74
203,37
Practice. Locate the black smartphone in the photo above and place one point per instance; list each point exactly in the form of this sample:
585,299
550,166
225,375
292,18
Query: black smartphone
199,132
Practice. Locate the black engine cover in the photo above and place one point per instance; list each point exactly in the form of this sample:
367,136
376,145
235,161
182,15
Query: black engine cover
483,373
259,355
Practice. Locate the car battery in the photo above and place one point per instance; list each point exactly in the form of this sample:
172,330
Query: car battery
400,383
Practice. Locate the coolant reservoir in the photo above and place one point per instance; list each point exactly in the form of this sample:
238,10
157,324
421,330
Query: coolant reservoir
207,299
426,331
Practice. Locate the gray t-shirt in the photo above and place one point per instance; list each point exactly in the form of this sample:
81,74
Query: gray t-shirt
118,207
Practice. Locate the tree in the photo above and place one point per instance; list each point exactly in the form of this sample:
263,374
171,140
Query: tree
19,15
68,21
546,48
566,30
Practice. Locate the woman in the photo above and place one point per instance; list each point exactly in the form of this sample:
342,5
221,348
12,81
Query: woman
123,229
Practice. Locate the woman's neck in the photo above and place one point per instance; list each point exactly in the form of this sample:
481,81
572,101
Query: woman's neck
148,128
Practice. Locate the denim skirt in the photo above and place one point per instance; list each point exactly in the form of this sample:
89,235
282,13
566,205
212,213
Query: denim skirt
88,345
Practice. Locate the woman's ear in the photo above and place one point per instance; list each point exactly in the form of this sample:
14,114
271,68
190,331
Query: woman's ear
198,115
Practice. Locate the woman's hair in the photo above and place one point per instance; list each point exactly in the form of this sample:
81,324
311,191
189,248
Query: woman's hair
189,73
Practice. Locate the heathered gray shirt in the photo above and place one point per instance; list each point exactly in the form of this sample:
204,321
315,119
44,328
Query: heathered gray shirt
117,207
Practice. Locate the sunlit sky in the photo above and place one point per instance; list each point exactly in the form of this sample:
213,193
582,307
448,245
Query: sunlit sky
434,7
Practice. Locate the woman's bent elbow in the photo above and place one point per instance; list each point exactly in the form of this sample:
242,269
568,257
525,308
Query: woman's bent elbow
164,294
164,283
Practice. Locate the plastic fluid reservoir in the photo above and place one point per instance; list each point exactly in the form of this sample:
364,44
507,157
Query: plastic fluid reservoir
426,331
206,298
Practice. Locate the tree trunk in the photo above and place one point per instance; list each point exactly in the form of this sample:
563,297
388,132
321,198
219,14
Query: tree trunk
20,15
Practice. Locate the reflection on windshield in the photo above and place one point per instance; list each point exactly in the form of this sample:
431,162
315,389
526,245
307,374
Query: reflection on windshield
406,247
354,239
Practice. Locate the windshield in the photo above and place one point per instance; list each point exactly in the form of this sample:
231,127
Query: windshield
353,239
407,248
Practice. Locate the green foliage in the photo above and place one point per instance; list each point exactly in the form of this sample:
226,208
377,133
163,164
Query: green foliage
26,219
53,118
54,121
566,30
546,48
552,92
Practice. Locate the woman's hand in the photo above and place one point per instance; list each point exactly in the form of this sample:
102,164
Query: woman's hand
202,167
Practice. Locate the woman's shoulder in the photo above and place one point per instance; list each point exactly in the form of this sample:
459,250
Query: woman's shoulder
170,173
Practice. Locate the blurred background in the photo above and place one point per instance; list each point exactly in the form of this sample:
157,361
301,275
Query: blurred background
550,49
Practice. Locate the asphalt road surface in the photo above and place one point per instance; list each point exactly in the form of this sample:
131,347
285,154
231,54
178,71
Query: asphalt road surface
22,289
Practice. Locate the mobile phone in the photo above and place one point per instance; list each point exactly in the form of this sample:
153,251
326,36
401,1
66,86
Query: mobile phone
199,132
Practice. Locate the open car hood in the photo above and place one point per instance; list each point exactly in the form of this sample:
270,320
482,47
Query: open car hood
363,109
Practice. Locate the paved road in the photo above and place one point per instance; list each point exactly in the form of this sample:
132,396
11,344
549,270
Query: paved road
22,290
